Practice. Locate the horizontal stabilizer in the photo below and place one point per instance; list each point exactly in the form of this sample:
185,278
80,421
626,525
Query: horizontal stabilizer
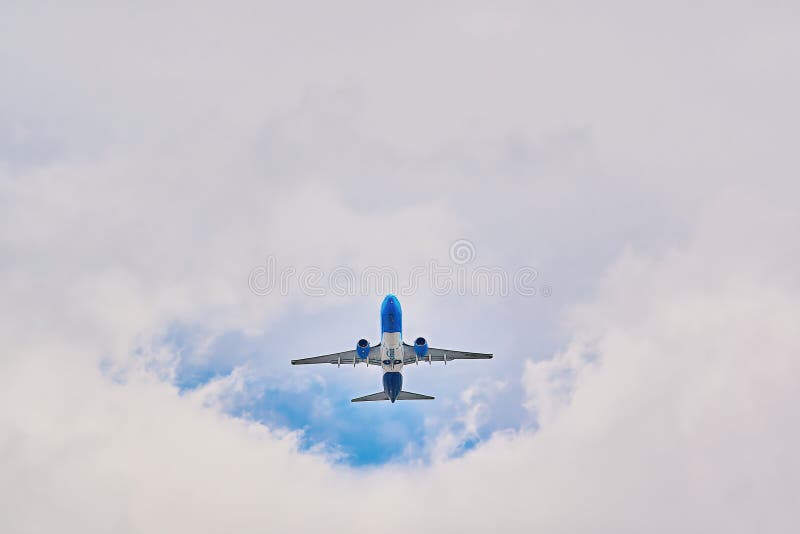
379,396
407,395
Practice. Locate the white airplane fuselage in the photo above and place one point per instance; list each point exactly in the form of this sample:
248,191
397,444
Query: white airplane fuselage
392,346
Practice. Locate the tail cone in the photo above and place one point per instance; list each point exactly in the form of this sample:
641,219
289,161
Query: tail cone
392,384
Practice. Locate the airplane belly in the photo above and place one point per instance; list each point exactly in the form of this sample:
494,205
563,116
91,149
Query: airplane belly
392,352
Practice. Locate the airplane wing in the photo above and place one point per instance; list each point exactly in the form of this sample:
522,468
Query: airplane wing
348,357
442,355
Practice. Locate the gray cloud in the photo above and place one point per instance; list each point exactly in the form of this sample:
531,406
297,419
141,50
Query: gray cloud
640,157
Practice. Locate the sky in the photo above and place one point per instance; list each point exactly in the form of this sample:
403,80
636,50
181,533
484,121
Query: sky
640,160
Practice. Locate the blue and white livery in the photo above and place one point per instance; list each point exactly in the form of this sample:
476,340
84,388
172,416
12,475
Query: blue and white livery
391,354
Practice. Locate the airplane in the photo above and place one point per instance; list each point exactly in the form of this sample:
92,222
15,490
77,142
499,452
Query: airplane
391,354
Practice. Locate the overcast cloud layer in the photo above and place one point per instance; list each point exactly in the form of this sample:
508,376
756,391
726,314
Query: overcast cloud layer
642,158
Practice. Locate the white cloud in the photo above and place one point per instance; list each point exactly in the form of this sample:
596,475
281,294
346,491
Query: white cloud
684,420
155,157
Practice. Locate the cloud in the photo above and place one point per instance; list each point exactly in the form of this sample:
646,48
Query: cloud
684,419
642,159
672,409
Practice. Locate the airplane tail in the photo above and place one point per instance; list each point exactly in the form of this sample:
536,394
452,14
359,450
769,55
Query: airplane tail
407,395
379,396
382,396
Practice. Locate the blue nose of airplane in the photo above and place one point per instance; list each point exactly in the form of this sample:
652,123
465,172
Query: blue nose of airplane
391,315
390,305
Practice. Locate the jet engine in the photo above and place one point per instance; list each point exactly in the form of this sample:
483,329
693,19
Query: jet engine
362,349
421,348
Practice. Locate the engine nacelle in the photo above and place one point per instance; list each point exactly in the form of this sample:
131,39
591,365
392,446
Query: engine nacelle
362,349
421,347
